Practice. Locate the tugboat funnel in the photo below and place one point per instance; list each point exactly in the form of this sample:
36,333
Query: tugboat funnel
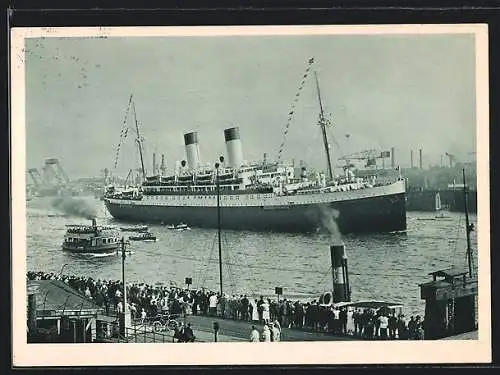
339,273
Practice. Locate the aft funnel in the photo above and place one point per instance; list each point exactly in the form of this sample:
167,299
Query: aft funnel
233,147
192,149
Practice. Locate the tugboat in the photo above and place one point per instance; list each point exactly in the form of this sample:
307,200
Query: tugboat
91,239
146,236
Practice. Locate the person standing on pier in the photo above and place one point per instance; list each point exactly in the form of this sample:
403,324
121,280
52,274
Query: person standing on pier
266,334
276,332
265,312
259,308
402,329
188,334
393,323
254,335
254,313
383,324
343,320
213,304
244,308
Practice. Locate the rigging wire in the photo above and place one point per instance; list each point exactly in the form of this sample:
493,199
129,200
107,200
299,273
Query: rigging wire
297,270
207,263
292,108
232,282
123,132
456,241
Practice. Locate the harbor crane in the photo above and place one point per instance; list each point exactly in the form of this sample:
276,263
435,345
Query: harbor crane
59,173
370,155
35,176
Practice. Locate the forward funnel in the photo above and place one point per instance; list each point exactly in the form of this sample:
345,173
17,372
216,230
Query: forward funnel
192,149
233,147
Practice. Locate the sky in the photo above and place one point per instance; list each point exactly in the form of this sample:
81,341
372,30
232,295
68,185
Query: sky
401,91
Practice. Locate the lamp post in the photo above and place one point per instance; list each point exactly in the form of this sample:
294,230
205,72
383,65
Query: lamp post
62,268
218,224
126,315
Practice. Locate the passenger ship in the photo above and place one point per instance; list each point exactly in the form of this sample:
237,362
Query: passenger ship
261,196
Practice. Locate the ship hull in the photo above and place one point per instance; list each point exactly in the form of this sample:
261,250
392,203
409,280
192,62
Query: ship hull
91,249
382,213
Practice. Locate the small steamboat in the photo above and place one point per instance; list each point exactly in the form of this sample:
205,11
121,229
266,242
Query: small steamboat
91,239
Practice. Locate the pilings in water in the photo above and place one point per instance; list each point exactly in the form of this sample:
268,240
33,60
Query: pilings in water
340,274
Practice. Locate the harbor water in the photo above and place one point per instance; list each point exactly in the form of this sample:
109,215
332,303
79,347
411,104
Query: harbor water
386,267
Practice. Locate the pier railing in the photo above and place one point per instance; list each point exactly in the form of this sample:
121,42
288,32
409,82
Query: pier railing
136,334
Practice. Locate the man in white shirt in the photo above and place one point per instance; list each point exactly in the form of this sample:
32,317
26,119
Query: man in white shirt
254,335
212,302
119,307
384,322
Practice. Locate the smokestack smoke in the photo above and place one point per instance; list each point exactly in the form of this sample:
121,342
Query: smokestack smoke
328,218
75,207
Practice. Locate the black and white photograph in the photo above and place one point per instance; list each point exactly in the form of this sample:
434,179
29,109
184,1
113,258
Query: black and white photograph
257,194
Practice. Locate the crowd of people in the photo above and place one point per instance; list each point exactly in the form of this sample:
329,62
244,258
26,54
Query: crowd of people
148,301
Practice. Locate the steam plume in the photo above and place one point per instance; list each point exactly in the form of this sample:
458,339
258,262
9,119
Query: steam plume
75,207
328,217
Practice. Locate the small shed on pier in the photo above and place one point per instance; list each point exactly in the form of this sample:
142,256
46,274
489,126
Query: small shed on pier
58,313
450,303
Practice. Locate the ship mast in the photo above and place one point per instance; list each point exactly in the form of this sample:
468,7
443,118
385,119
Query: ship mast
139,142
322,123
468,227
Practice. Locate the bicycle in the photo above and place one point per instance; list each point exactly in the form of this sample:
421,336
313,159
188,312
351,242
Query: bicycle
164,322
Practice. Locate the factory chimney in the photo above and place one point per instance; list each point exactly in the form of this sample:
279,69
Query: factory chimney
192,149
420,158
163,167
411,158
233,147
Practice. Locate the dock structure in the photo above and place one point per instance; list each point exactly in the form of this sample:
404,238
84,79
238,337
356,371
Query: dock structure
450,303
58,313
229,331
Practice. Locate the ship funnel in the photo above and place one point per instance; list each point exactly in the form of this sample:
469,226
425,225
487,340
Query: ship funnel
233,147
340,273
94,223
192,149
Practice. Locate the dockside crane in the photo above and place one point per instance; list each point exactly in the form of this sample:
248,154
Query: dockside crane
35,176
371,156
60,173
